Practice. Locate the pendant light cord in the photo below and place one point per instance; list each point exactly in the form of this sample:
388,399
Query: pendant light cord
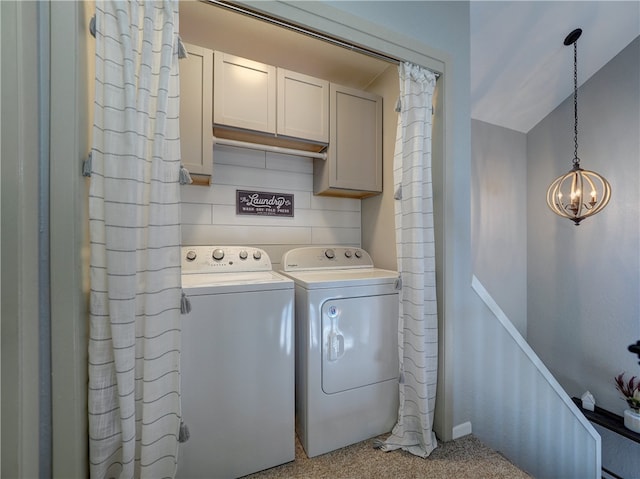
576,160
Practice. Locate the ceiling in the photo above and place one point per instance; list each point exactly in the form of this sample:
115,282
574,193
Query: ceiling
220,29
520,68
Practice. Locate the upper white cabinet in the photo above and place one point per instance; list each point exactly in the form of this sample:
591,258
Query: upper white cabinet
244,93
196,84
354,159
303,106
263,99
255,102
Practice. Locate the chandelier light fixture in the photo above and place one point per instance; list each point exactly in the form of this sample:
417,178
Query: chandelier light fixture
579,193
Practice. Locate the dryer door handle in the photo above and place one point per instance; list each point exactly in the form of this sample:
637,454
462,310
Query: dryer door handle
336,346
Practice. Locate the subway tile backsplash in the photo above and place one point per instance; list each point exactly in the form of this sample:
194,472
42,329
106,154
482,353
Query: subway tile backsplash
209,213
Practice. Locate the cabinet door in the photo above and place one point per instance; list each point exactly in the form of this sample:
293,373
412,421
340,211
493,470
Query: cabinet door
244,93
196,137
303,106
354,160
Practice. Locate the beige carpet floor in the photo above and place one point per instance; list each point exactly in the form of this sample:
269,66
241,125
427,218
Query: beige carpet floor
464,458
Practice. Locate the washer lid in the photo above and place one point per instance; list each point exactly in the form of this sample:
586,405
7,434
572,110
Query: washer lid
216,283
340,278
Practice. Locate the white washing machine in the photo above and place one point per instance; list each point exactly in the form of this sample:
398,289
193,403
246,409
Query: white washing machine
237,363
346,346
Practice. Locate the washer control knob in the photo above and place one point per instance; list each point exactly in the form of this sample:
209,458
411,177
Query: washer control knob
330,253
348,253
358,253
217,254
257,255
191,255
243,254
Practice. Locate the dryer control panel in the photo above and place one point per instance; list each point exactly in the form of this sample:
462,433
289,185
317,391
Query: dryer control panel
224,259
321,257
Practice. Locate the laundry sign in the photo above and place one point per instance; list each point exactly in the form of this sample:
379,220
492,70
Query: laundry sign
262,203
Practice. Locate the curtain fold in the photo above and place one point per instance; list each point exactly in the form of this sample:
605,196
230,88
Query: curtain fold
418,322
134,228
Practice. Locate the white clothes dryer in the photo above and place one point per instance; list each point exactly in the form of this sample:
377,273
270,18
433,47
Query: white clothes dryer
346,314
237,363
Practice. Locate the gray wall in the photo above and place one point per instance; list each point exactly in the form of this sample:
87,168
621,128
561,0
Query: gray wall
19,184
498,217
503,373
583,281
619,455
23,455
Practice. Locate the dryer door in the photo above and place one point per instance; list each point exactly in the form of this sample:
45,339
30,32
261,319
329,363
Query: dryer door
359,342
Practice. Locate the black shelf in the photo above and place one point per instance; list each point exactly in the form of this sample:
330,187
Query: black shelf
608,420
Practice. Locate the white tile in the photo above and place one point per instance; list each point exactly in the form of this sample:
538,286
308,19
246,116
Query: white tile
276,161
243,235
224,195
226,215
301,200
333,203
209,213
263,179
196,214
335,236
276,251
328,219
230,155
196,194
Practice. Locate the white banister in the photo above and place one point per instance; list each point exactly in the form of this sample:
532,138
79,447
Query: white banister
520,409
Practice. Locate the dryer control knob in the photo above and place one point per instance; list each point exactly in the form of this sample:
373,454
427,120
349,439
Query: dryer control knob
358,253
330,253
217,254
257,255
348,253
191,255
243,254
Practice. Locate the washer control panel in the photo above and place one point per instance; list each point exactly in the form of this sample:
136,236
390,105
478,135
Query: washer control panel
224,259
320,257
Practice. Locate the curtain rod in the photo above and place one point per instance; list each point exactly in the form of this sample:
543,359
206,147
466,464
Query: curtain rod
269,19
296,28
304,31
274,149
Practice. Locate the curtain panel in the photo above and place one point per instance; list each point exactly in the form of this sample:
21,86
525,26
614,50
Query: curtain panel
418,321
134,228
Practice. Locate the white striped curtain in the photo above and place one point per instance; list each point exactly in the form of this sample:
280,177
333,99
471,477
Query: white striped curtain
134,394
418,321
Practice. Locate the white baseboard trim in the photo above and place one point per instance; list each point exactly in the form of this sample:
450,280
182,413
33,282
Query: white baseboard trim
460,430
